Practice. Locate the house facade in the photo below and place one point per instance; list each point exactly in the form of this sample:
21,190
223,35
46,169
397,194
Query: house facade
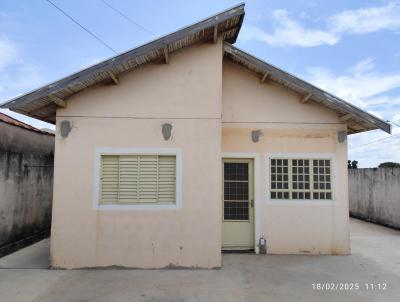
183,147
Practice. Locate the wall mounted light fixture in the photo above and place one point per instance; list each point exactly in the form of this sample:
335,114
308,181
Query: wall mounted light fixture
166,131
341,136
255,135
65,128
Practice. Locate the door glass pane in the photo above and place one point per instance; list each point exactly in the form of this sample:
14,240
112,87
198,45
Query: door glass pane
236,171
236,191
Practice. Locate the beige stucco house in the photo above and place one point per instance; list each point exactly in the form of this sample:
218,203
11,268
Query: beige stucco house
179,148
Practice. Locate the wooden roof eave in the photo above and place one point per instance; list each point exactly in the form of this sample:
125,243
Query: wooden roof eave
227,23
296,84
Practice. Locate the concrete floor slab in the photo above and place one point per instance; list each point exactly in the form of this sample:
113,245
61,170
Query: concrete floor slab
244,277
376,243
33,256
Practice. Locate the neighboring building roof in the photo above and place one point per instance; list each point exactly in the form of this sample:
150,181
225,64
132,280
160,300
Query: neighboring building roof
50,131
42,103
12,121
357,119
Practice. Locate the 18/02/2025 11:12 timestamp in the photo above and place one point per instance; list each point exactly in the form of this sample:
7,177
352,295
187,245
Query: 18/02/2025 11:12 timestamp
349,286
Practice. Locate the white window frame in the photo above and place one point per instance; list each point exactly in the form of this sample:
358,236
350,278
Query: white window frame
99,152
311,156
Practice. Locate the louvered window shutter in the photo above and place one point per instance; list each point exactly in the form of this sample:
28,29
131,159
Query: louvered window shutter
128,178
166,178
138,179
148,178
109,179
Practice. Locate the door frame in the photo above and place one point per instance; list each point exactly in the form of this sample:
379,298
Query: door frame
256,179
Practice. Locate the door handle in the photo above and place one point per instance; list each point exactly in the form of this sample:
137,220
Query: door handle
252,203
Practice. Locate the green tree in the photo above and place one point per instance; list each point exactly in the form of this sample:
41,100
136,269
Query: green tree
352,164
389,164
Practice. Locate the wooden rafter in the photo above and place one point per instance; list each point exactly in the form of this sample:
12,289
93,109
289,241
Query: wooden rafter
351,130
113,77
34,115
346,117
355,127
37,110
305,98
21,111
50,119
166,55
215,34
59,102
265,77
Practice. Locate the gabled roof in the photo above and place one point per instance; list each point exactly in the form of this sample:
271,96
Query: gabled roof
357,119
42,103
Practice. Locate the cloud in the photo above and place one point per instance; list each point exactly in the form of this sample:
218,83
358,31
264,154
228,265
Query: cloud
384,100
367,147
16,75
363,66
396,118
21,78
87,62
8,52
288,32
366,20
363,85
386,105
358,85
376,113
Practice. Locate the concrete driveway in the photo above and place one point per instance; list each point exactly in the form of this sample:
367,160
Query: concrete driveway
373,268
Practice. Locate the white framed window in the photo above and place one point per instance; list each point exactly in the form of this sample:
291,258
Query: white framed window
300,177
137,178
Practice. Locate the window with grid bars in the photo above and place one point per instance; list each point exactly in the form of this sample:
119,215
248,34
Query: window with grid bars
132,179
305,179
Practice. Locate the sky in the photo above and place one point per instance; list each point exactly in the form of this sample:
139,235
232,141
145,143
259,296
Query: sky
349,48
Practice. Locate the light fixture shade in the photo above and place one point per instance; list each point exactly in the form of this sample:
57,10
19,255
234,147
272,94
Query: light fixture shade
166,131
65,128
341,136
255,135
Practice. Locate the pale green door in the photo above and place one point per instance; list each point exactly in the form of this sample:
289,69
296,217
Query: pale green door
237,203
